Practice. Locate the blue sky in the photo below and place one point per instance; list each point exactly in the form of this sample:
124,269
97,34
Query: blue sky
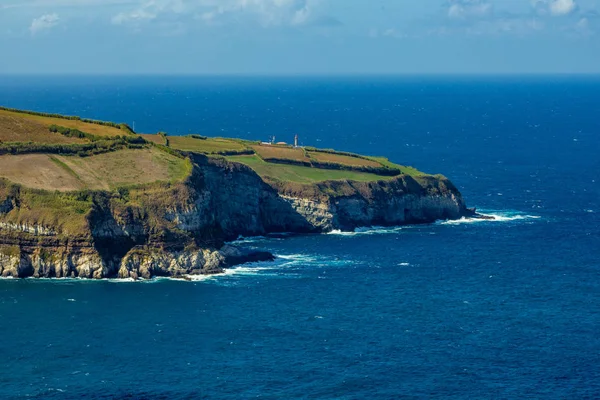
299,36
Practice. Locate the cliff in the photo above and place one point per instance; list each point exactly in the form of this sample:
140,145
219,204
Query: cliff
181,229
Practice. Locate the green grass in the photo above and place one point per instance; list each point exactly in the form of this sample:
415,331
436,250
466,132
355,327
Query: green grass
65,167
62,211
178,169
206,146
405,169
343,159
94,129
154,138
299,174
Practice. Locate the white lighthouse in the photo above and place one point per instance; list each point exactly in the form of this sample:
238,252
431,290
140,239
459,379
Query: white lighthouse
296,141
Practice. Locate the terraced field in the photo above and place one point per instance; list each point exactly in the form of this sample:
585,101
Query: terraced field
103,171
112,164
300,174
94,129
16,129
154,138
342,159
205,146
270,152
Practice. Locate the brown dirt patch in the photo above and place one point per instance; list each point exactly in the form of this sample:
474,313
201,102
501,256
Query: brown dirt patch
103,171
37,171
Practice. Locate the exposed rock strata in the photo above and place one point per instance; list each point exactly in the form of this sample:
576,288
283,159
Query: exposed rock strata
186,234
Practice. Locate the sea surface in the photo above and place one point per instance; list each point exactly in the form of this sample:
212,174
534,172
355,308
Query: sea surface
506,309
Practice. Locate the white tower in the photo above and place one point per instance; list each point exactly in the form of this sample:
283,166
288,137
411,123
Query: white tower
296,141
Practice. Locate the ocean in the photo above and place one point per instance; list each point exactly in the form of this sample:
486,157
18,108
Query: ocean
464,309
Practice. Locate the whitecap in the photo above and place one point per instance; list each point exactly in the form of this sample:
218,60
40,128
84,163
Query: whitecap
368,230
494,217
404,264
295,258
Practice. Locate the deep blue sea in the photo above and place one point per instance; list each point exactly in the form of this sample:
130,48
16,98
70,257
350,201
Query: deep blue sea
490,309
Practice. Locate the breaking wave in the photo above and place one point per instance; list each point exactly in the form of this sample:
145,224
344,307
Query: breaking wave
496,216
373,230
284,265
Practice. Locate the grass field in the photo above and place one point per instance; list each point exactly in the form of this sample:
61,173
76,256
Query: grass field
281,153
104,171
405,170
343,159
17,129
131,167
207,146
94,129
154,138
299,174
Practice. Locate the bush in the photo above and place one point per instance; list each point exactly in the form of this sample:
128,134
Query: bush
82,150
76,133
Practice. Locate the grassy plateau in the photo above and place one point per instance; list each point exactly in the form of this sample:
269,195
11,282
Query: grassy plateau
56,153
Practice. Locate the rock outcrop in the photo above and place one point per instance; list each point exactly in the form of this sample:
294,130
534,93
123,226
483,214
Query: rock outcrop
181,229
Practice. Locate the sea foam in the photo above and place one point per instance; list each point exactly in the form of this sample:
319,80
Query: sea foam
497,216
371,230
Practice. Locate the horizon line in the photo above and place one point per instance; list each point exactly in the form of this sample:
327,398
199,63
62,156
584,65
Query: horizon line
300,75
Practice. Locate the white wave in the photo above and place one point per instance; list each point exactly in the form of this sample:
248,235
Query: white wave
341,233
296,257
231,272
371,230
494,217
404,264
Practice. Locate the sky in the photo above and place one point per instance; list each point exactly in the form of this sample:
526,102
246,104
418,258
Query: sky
282,37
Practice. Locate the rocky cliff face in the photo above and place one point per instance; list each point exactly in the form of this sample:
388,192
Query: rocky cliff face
182,229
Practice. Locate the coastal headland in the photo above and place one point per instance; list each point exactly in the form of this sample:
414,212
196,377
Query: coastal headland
92,199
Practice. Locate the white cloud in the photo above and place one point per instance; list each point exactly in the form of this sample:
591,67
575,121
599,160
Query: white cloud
44,22
61,3
583,27
461,9
133,16
267,12
554,7
562,7
148,11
